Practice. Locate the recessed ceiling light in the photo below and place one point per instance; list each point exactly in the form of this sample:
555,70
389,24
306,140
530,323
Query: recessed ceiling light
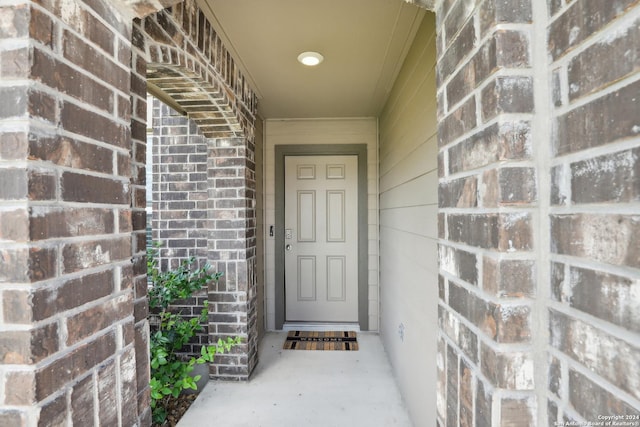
310,58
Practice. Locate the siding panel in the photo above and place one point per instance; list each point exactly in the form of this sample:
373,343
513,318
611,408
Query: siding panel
408,226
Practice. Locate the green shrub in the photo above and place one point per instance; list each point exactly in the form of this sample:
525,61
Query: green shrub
170,371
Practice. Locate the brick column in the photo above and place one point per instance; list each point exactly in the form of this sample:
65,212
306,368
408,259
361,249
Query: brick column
66,276
232,250
488,205
594,314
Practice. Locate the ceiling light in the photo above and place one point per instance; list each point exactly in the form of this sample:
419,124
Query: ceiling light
310,58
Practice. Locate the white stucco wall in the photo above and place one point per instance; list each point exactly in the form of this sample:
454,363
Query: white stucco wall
322,131
409,226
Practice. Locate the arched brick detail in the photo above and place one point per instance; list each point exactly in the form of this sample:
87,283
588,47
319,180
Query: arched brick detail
178,51
186,59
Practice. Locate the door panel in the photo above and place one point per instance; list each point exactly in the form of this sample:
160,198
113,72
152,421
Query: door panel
321,238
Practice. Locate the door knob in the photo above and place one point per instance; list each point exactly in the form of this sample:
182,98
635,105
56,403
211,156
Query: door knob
288,247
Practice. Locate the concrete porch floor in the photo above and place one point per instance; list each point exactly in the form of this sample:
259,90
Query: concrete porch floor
306,388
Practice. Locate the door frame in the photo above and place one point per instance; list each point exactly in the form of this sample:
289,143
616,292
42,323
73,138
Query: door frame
359,150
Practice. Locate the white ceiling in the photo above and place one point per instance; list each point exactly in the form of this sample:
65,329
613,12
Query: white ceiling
363,42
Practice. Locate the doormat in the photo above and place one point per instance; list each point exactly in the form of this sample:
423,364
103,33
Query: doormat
321,340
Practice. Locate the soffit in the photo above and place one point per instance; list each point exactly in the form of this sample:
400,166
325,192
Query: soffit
364,43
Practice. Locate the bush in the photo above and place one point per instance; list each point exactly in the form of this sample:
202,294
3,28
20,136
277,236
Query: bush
170,371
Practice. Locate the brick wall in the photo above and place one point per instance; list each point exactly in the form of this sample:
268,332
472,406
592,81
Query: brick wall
487,197
594,312
74,340
538,219
179,188
67,282
205,198
180,200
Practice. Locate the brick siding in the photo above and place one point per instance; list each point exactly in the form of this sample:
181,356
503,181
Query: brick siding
204,171
507,317
538,283
594,323
65,241
487,196
73,223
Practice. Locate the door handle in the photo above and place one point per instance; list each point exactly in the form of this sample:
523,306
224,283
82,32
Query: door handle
287,248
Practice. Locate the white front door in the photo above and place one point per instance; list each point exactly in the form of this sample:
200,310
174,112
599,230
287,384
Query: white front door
321,238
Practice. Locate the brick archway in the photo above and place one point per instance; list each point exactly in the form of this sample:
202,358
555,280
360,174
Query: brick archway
177,51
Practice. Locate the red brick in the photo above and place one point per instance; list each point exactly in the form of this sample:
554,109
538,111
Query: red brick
462,84
460,193
88,188
509,278
466,394
107,394
502,323
494,12
41,27
14,225
458,263
607,119
72,153
609,357
13,145
78,256
124,108
85,56
580,21
592,401
96,318
615,296
607,238
461,121
15,20
14,184
69,80
612,178
29,347
500,141
54,413
89,124
47,223
47,302
591,70
142,354
558,188
508,370
14,101
82,402
507,94
141,310
452,386
42,106
517,411
458,50
509,186
129,389
42,185
19,388
462,336
42,263
14,63
504,232
484,402
111,16
51,377
512,49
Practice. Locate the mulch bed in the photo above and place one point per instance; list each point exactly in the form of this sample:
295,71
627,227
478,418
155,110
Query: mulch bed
177,407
